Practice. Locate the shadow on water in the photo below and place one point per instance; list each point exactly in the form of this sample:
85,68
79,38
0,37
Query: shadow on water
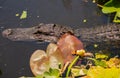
14,56
2,2
67,4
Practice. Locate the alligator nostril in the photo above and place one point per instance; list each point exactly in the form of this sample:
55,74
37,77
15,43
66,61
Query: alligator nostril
7,32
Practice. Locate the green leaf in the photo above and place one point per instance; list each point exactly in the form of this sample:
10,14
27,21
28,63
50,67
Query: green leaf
101,56
112,3
39,76
100,63
78,71
70,66
97,62
112,6
47,73
24,15
26,77
108,3
54,72
107,10
118,13
100,72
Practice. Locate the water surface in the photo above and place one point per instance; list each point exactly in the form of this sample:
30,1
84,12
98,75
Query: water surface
14,56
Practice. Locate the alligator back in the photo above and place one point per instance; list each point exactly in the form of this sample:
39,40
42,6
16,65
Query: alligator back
98,34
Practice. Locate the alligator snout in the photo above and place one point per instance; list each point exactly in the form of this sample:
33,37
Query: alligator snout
7,32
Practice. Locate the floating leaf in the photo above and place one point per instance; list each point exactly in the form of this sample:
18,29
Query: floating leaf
95,45
17,15
23,15
99,62
100,56
84,20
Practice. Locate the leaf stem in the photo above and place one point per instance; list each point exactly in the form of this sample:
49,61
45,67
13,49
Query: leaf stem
70,66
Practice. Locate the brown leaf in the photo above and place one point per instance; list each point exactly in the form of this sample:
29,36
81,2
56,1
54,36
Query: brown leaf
67,44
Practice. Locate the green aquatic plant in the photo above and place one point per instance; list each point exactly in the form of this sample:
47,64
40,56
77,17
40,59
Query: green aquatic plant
51,64
99,62
70,66
100,72
52,73
111,70
112,6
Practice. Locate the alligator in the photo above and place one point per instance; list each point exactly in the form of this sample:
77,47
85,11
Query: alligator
52,32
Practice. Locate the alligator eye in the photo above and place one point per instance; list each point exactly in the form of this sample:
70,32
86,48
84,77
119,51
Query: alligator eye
37,32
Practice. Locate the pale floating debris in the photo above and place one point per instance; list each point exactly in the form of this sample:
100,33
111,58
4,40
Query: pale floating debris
23,15
84,20
17,15
95,45
94,1
38,16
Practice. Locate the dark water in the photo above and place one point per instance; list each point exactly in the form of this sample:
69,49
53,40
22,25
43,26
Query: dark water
14,56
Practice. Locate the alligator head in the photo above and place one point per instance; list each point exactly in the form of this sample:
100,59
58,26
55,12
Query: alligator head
42,32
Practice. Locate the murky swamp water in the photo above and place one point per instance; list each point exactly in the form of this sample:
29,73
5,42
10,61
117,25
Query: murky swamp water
14,56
